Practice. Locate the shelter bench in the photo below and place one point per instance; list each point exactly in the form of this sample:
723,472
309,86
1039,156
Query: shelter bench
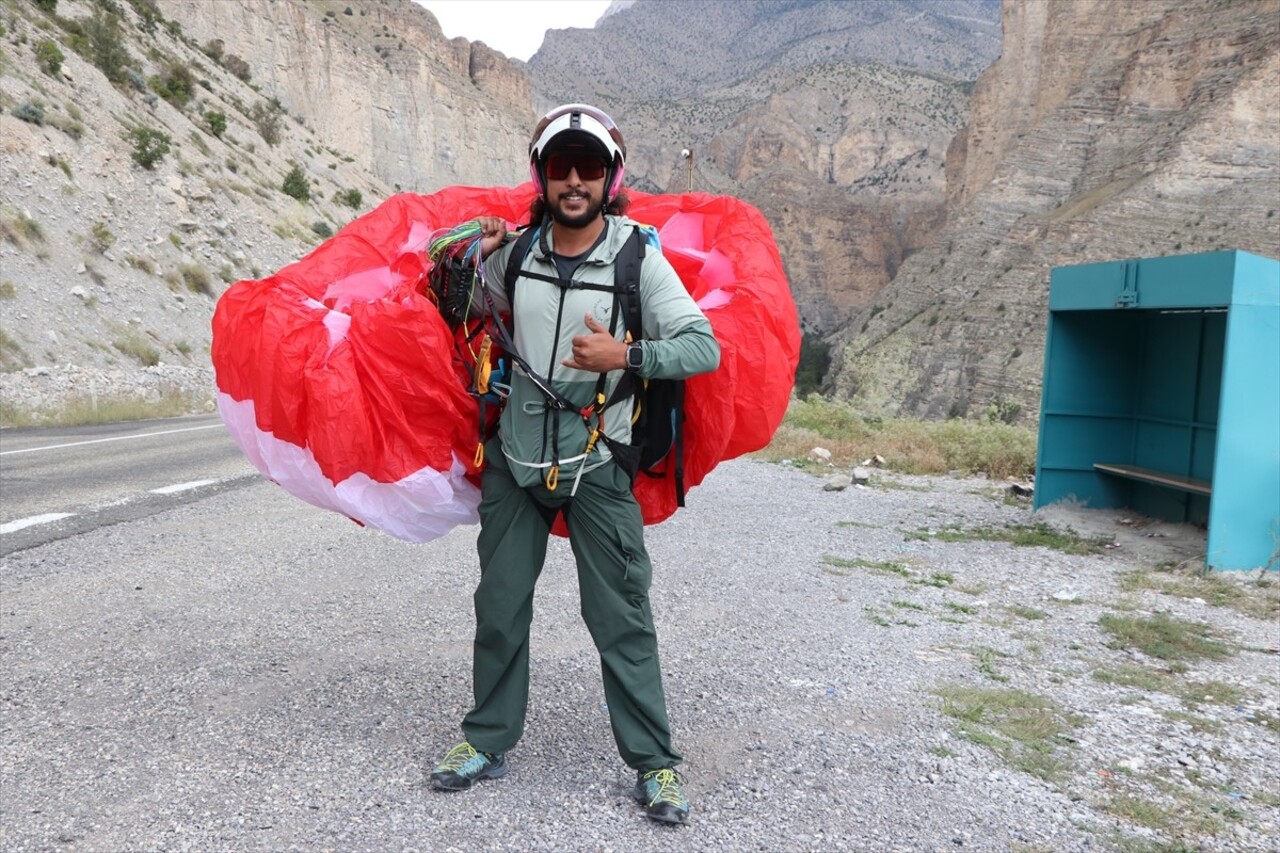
1158,478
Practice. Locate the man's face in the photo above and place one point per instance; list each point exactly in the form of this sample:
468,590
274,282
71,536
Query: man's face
575,186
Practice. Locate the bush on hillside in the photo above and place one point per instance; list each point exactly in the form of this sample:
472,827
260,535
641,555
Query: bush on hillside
296,185
237,66
30,112
176,85
106,44
49,57
149,146
216,121
267,119
213,49
351,198
148,15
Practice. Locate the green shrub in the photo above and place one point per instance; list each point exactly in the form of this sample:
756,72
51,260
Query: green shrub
815,359
49,57
49,6
135,79
266,118
148,15
149,146
30,112
351,198
176,85
101,237
216,121
322,230
296,184
106,44
1004,410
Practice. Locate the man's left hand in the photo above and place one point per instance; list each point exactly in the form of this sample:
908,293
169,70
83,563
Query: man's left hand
598,352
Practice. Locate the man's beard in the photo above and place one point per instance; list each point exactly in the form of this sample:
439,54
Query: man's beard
582,220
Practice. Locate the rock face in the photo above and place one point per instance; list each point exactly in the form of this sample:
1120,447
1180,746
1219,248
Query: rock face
1107,129
383,84
688,48
832,117
112,266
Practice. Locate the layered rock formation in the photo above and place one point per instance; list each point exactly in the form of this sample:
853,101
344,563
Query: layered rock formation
1107,129
383,85
833,118
111,264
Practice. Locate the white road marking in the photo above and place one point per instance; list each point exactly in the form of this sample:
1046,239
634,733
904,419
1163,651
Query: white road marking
35,519
181,487
113,438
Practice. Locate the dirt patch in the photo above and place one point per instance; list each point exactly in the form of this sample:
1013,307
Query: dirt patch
1146,540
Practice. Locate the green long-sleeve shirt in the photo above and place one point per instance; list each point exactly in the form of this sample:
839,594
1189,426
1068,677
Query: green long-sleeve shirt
678,344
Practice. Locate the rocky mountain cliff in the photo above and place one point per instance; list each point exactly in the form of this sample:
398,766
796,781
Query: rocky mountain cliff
832,117
1108,129
147,149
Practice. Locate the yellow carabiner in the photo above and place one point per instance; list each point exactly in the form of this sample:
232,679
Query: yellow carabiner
479,454
553,478
483,367
635,413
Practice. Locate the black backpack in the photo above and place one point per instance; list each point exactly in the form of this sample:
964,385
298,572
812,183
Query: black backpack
657,422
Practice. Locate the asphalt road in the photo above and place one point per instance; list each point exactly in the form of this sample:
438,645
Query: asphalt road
59,482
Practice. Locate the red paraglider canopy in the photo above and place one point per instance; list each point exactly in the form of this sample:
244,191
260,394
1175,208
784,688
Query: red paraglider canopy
336,375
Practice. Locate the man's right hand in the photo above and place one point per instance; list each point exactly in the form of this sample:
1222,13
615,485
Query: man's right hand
493,230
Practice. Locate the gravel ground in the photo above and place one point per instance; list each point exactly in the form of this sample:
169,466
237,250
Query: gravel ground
247,673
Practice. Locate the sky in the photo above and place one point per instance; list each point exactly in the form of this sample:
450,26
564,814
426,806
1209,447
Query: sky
514,27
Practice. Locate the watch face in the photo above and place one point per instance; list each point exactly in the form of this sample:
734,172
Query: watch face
635,355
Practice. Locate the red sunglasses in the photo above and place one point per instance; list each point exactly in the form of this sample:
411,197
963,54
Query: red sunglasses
589,168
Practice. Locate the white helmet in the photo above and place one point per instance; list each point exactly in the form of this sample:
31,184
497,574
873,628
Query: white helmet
587,123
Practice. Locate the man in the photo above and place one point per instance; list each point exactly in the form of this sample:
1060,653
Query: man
545,461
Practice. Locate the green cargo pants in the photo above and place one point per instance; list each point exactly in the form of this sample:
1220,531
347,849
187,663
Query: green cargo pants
607,537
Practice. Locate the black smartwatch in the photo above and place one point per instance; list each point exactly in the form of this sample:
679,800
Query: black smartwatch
635,358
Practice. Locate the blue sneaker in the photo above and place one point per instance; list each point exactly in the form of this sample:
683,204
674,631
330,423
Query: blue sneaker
662,796
464,765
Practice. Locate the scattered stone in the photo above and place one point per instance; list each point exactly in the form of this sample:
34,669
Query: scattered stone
861,476
820,454
836,483
1066,595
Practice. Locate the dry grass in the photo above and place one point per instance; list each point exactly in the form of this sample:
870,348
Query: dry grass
81,410
907,445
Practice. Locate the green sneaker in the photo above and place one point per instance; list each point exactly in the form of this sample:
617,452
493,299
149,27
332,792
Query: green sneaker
464,765
662,796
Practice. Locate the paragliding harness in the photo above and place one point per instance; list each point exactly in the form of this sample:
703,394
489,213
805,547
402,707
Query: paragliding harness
657,415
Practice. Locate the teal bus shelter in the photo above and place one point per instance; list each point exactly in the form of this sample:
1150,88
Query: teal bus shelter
1162,394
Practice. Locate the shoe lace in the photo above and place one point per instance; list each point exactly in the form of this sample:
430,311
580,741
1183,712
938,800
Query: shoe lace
667,785
456,758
